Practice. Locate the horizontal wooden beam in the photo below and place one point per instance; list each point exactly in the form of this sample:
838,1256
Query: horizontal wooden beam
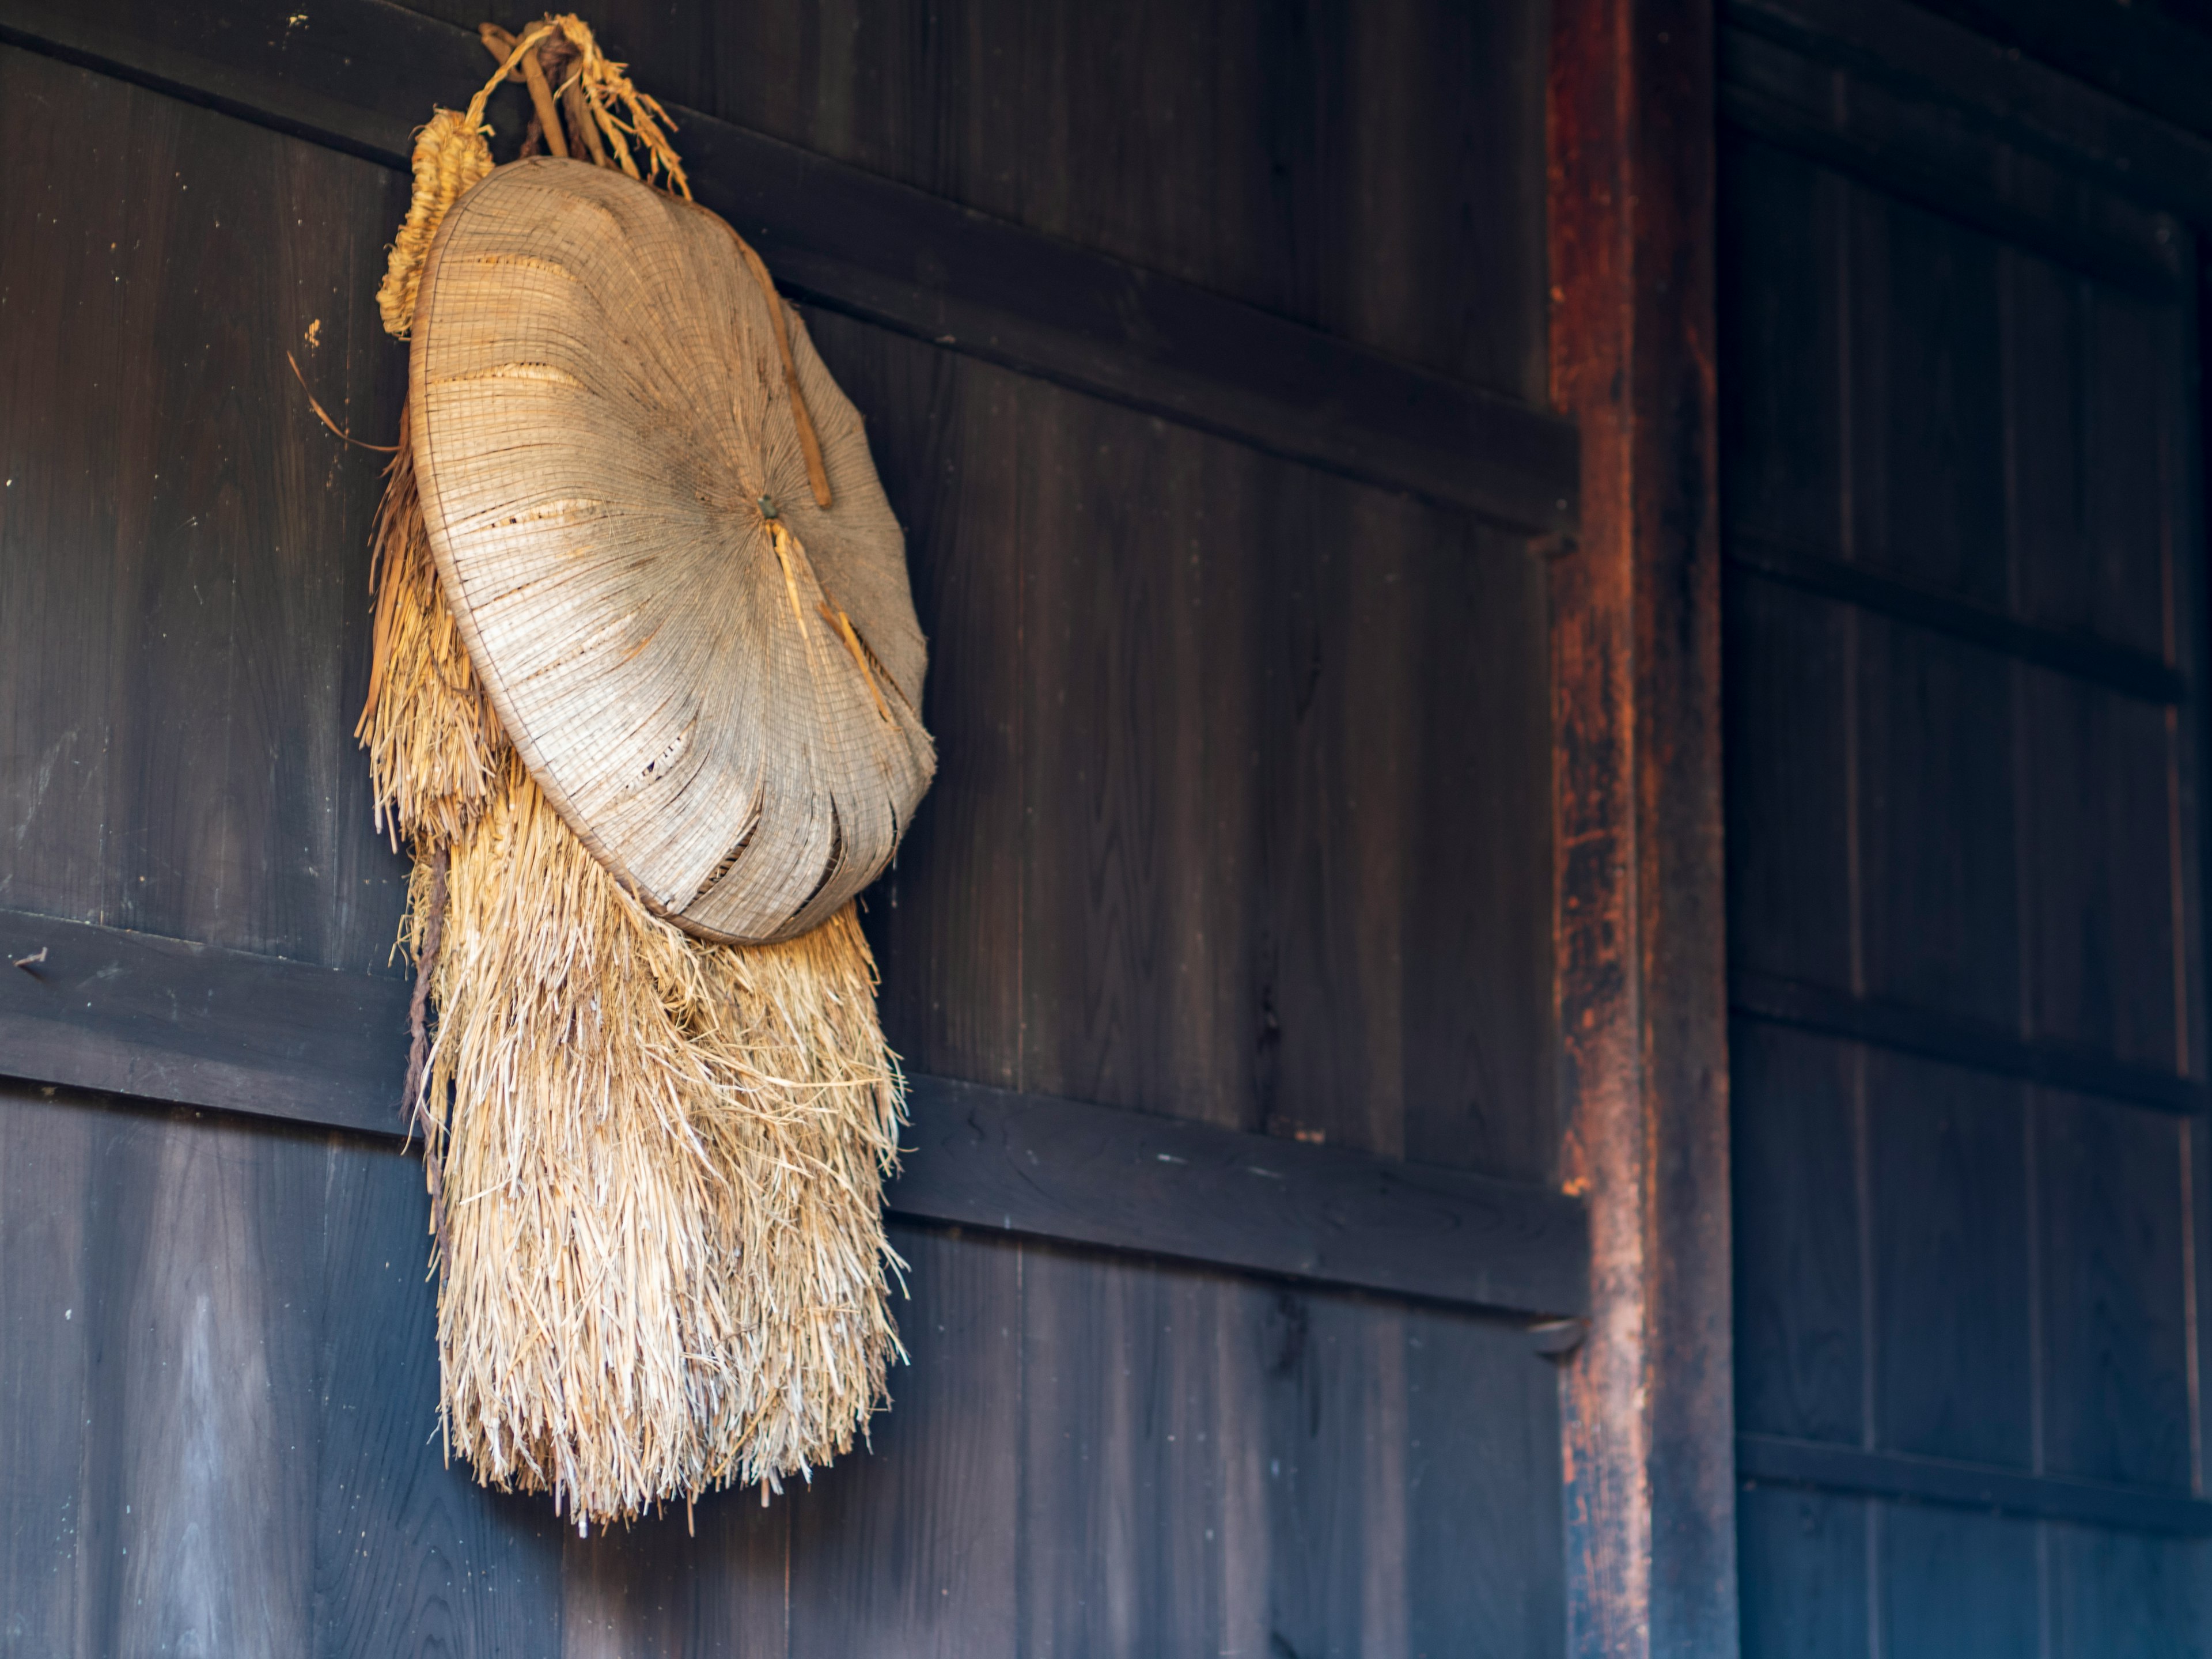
1776,1460
2081,655
1975,87
1945,160
160,1019
361,75
1095,1175
1958,1041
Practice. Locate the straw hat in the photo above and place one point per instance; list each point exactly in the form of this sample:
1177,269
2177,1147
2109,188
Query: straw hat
691,616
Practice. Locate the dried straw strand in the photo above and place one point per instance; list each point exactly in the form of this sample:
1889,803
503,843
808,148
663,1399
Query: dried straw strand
655,1164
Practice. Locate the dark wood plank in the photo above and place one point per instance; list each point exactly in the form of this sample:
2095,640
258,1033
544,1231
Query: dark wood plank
1268,880
1800,1343
1972,83
1261,1469
879,250
1100,1176
1374,171
2100,896
1907,1030
2155,58
909,1546
1927,432
2126,1596
410,1554
1782,1462
945,919
182,559
1913,150
1939,858
166,1020
2115,1320
2093,489
1639,886
2074,651
1952,1367
1804,1558
1140,746
1483,1508
1957,1586
1143,1518
1782,259
1792,726
162,1361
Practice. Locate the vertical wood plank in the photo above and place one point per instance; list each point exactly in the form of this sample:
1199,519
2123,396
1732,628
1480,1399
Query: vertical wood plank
411,1555
945,919
2115,1320
1639,888
1957,1585
1790,798
179,1384
1804,1558
909,1548
185,553
1952,1360
1801,1347
1939,856
1143,1518
1781,263
1927,390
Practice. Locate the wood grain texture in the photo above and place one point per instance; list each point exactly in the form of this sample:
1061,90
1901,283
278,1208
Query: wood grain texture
2077,102
1947,1152
1221,842
1804,1558
913,1549
1294,158
1987,1047
165,1020
1343,634
2115,1314
1951,1585
1988,1489
1993,515
183,560
1083,1445
1638,889
883,250
1802,1344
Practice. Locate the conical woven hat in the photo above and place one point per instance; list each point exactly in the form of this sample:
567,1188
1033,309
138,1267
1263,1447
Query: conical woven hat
715,680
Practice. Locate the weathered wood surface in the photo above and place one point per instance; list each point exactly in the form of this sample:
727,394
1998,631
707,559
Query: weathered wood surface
217,1348
166,1020
361,75
1635,646
1777,1461
1214,839
1965,719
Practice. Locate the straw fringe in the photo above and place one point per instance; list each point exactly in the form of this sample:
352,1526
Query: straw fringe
665,1262
656,1162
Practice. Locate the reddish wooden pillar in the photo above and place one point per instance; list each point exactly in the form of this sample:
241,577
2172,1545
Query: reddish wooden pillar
1641,986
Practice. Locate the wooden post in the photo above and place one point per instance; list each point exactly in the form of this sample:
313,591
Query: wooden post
1636,674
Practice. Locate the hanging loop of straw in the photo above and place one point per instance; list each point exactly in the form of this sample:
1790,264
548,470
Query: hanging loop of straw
452,152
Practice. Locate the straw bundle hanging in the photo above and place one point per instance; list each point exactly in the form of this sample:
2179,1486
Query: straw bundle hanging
642,706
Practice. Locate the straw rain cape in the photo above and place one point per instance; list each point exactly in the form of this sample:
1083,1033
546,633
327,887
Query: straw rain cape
644,707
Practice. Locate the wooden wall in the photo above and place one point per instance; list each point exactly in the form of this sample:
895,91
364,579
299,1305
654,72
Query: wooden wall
1244,818
1965,763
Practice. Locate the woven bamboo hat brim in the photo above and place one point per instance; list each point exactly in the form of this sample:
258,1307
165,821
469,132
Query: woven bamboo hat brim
714,679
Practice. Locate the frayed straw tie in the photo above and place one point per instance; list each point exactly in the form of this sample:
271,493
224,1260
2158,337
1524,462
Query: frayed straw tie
655,1160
